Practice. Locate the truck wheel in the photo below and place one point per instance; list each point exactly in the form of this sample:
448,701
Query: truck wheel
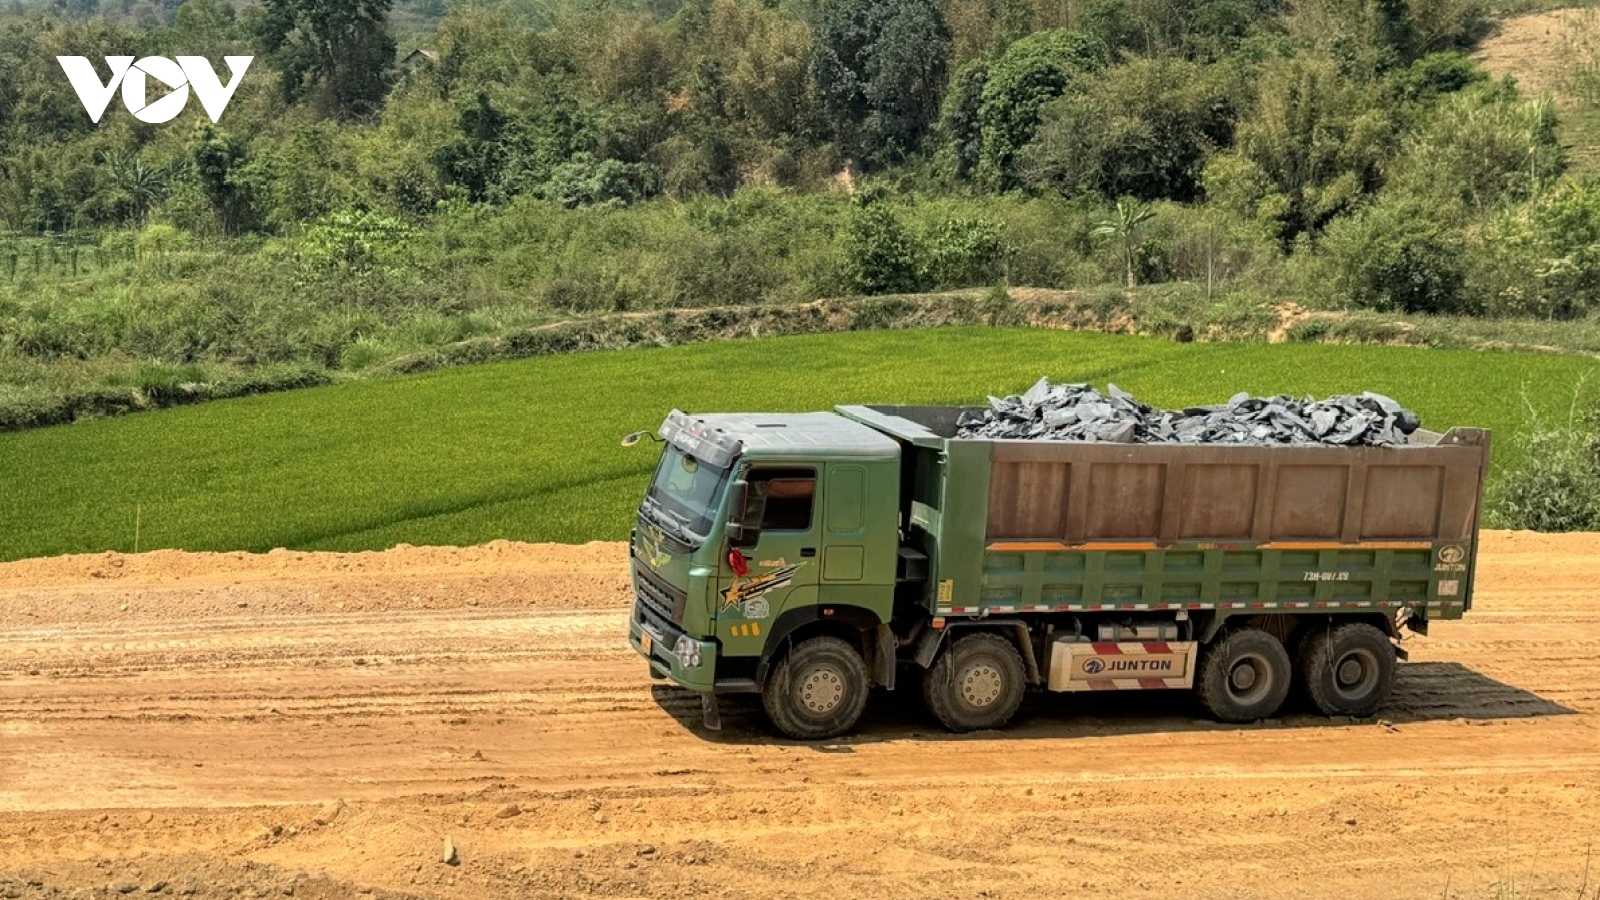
976,684
818,691
1348,670
1245,676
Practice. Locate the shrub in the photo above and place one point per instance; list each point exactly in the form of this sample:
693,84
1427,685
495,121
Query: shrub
1544,258
882,256
1450,24
1398,257
350,242
363,353
1482,146
1557,485
963,252
586,181
1048,242
1435,74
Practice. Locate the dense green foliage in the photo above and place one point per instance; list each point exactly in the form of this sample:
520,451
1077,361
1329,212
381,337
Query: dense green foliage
341,47
359,205
1556,487
880,68
1144,133
516,450
1030,73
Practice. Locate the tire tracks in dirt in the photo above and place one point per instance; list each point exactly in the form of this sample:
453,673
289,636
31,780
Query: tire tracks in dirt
197,741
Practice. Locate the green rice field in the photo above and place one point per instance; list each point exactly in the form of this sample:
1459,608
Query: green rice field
528,450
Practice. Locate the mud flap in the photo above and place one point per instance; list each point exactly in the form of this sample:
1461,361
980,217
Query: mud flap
886,659
709,711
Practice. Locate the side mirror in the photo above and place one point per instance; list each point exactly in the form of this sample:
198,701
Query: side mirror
743,526
633,438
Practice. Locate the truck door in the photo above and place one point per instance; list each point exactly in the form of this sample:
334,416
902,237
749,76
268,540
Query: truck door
784,564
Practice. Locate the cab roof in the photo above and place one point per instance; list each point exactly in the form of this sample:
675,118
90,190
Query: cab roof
810,435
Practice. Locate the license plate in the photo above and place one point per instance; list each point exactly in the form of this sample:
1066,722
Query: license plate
645,642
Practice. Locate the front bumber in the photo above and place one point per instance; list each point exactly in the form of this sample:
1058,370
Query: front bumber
665,661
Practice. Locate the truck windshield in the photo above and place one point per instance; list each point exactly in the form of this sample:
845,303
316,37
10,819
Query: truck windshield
686,491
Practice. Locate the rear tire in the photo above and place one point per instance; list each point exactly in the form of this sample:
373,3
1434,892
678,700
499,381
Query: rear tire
1245,676
1348,670
976,684
818,691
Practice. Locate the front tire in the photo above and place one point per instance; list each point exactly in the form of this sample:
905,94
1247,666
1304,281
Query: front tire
977,683
818,691
1348,670
1245,676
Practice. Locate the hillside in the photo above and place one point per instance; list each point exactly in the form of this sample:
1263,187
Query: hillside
1556,53
350,215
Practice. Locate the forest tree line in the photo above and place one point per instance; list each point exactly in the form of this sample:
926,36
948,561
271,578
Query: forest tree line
1355,134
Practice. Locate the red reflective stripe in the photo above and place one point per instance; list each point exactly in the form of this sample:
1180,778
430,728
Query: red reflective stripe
1157,647
1152,683
1106,649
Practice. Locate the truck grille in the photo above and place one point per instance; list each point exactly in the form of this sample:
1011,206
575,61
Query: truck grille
661,598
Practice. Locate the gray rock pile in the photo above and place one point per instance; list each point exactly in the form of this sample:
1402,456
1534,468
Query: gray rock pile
1078,412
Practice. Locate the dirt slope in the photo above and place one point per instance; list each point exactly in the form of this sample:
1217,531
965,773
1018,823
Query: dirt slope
1529,48
1547,52
319,725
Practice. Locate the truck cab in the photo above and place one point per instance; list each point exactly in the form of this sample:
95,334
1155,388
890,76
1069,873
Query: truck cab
758,532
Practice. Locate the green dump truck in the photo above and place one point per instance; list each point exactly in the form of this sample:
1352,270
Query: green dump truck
811,557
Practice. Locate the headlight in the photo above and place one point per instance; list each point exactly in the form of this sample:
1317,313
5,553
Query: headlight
688,652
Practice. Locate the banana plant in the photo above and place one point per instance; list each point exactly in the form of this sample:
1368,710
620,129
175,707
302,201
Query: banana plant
1124,227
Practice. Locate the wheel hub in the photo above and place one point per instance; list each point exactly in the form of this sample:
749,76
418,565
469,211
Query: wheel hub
1355,674
821,690
980,685
1243,677
1250,679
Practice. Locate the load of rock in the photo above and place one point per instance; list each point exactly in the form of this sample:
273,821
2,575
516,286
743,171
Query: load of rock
1078,412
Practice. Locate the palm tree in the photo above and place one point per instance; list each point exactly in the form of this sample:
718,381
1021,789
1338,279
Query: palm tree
1131,215
139,185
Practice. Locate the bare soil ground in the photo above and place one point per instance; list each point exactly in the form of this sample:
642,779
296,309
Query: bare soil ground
320,725
1529,48
1555,53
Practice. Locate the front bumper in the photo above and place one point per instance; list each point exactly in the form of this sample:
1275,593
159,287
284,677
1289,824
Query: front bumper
661,654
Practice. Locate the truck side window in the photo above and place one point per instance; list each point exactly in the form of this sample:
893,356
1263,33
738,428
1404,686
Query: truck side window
787,495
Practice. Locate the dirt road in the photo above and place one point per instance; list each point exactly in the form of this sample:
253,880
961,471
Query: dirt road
320,725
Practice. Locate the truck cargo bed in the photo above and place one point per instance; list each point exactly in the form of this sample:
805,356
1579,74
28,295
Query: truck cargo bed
1081,527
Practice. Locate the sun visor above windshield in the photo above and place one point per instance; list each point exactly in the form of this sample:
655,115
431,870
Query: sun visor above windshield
700,439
